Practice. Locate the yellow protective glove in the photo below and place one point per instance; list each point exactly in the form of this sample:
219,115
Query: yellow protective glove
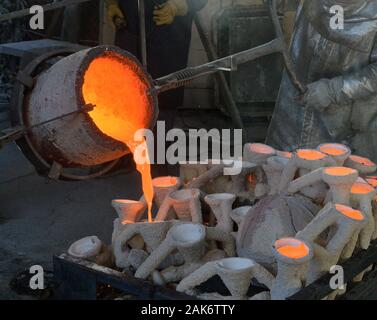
114,13
166,13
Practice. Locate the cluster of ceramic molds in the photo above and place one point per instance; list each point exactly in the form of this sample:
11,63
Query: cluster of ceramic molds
236,274
176,242
185,204
221,207
343,225
348,213
302,162
328,175
191,242
178,247
212,178
292,257
344,187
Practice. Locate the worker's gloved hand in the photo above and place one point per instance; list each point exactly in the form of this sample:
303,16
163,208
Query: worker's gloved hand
166,13
115,16
321,94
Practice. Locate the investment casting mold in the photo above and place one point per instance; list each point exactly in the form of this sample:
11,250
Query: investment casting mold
221,207
339,180
292,256
273,169
236,274
211,178
343,224
339,152
257,153
163,187
152,233
362,195
306,160
361,164
92,249
190,241
129,211
186,205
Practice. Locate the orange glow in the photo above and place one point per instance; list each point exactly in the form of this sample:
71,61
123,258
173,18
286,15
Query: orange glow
372,182
285,154
294,251
165,182
251,179
361,188
121,107
309,154
362,160
333,149
261,148
349,212
339,171
146,176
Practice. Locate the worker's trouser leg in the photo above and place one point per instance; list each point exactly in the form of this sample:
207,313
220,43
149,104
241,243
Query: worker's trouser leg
169,103
71,23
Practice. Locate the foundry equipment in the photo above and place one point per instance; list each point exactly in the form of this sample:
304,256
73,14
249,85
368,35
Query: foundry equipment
53,86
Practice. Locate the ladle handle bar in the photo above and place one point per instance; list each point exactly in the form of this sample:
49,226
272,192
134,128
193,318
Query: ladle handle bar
230,63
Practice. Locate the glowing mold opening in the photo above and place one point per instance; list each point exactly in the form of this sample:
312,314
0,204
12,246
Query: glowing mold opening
309,154
349,212
292,248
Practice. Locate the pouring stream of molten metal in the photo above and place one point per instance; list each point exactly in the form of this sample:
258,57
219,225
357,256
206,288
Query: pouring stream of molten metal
122,108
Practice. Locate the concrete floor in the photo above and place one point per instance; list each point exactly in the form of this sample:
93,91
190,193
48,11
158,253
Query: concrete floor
40,218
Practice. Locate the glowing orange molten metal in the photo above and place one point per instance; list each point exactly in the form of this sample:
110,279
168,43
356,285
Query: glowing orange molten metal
121,107
333,149
364,161
294,251
349,212
339,171
361,188
309,154
262,148
285,154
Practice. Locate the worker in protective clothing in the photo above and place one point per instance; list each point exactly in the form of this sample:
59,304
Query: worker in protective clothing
339,67
168,36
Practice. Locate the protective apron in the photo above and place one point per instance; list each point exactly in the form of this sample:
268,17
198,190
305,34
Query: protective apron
346,57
